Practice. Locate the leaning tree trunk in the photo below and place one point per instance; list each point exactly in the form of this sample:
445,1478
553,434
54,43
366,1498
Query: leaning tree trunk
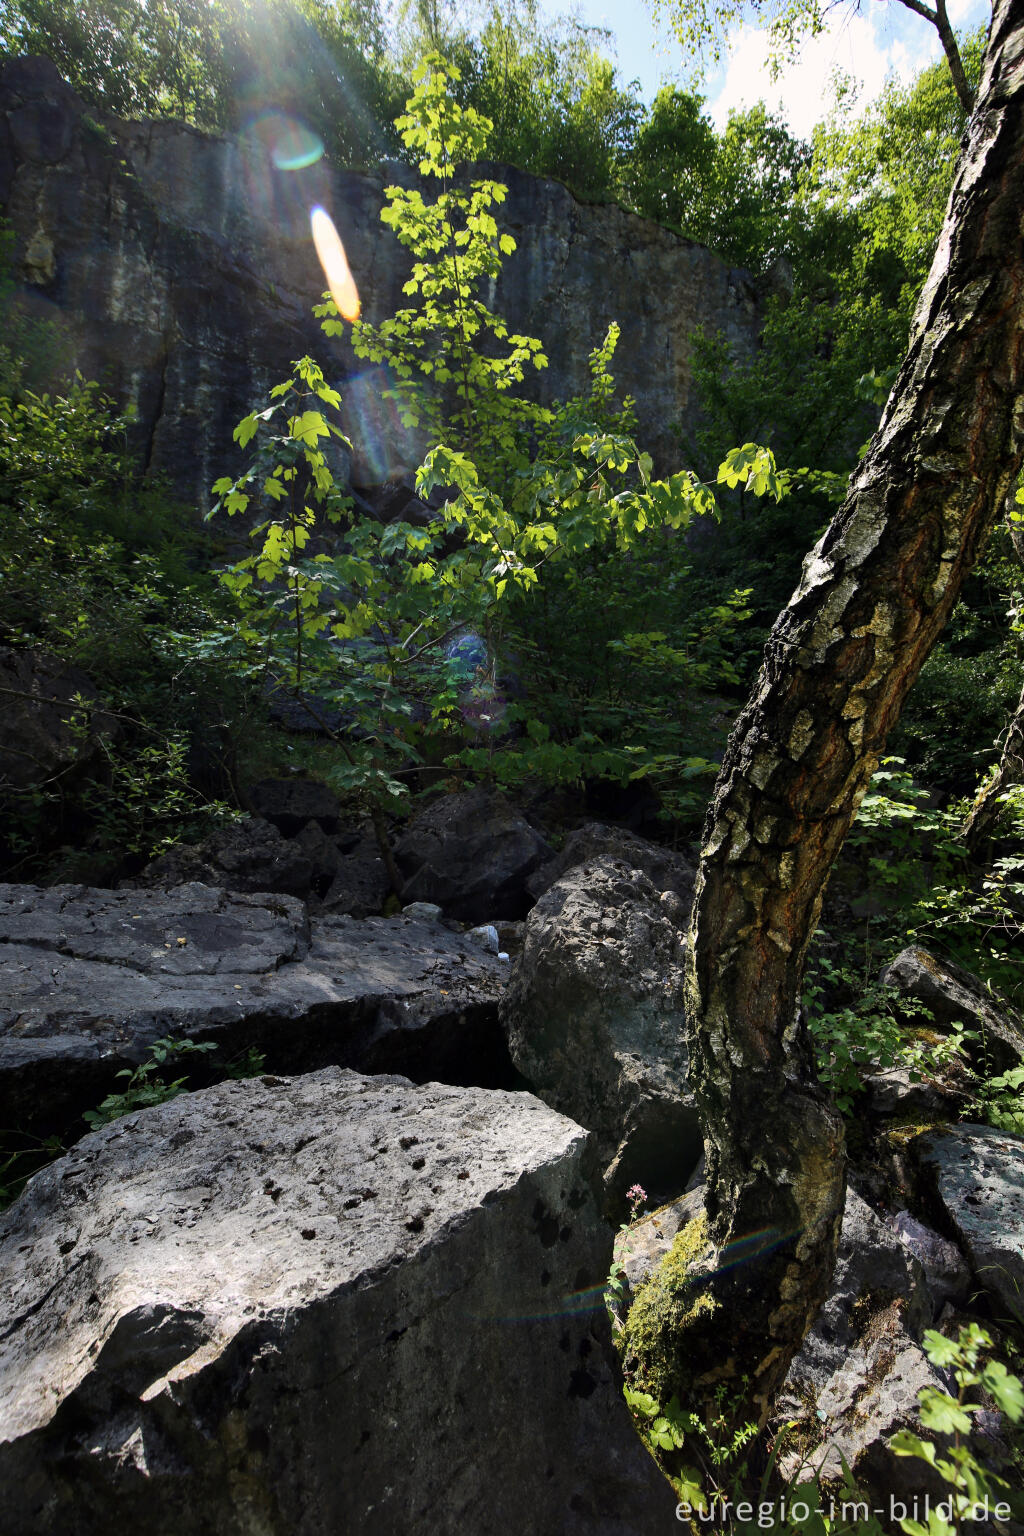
872,599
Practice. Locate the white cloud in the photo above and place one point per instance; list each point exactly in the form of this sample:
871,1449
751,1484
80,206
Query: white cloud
966,13
868,47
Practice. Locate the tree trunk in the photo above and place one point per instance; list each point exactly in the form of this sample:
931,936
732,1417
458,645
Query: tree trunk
947,37
873,597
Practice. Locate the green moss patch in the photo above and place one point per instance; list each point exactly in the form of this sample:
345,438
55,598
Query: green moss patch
653,1339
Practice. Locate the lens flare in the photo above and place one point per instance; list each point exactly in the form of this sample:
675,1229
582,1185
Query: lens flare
289,143
335,264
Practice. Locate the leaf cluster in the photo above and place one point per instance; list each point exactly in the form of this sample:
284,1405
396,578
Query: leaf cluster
973,1486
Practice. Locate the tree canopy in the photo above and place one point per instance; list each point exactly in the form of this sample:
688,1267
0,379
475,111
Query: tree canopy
703,27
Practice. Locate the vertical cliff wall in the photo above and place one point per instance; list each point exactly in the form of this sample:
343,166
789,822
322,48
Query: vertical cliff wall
178,269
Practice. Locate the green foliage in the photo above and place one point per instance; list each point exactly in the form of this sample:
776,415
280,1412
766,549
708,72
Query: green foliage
859,1027
973,1486
456,362
523,489
210,61
725,1473
970,684
910,882
556,106
738,191
1002,1100
21,1156
145,1085
248,1063
913,850
889,170
127,56
94,574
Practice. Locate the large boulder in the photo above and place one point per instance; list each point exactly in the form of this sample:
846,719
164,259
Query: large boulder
308,1307
595,1015
360,885
248,855
472,854
666,869
856,1378
953,995
975,1177
90,978
291,804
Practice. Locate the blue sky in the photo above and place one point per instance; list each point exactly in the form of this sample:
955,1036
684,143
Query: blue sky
868,41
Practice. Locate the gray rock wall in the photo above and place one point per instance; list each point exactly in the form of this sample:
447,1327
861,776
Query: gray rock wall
178,268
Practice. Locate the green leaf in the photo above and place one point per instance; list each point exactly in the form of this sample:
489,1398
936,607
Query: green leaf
245,430
308,427
943,1413
906,1443
1005,1388
940,1350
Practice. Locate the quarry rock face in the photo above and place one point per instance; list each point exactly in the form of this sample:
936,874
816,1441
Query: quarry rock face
177,268
307,1307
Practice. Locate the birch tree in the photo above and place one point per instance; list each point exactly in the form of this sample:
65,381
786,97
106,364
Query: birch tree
874,595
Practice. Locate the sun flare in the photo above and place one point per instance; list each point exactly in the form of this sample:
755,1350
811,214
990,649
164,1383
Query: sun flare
337,271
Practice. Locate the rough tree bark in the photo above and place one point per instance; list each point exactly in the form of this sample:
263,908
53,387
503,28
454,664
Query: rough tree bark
873,597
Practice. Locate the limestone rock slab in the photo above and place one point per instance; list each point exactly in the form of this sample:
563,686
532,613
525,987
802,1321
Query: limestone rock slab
325,1306
90,978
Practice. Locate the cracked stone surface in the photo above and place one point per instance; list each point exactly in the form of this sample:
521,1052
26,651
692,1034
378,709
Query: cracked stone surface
90,978
311,1306
855,1380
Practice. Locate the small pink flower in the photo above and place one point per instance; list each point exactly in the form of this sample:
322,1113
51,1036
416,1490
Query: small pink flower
637,1197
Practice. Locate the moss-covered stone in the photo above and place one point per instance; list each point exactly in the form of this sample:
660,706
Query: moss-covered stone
653,1341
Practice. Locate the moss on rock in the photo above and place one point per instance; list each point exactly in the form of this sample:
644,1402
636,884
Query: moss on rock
653,1339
